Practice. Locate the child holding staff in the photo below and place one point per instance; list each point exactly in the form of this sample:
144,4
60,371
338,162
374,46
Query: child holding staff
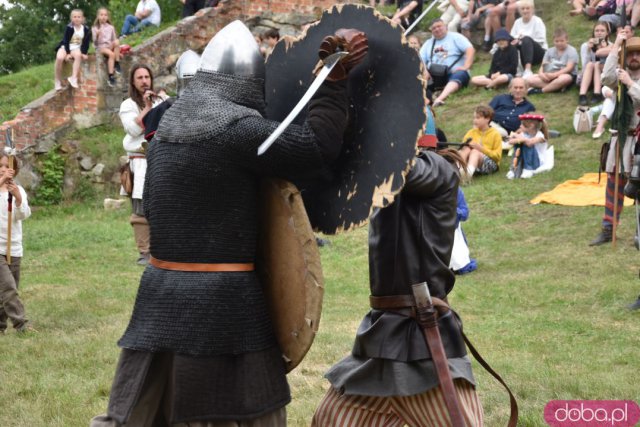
10,305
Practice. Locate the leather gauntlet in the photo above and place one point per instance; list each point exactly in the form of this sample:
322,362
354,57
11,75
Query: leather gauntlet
345,39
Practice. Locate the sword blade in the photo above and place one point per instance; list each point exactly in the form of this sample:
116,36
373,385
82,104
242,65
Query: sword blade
7,138
419,18
8,141
329,63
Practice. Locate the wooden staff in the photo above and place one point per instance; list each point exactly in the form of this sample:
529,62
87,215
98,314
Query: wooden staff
10,204
616,172
622,133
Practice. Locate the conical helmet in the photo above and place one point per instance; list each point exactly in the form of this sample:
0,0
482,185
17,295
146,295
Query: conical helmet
233,50
186,68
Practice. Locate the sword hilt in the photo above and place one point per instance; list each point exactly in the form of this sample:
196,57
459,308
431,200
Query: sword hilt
421,294
425,311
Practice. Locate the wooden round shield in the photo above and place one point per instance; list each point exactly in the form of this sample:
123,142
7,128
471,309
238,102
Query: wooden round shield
386,93
290,270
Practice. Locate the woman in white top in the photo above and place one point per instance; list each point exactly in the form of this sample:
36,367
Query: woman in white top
530,36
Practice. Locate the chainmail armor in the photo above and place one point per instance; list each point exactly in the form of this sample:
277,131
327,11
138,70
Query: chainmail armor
201,203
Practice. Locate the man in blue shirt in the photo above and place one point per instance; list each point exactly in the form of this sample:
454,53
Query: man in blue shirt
452,50
507,107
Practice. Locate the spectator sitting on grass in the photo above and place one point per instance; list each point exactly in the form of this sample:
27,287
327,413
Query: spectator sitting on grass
614,17
484,149
506,9
414,42
147,13
530,37
558,69
504,63
508,107
580,5
593,53
529,146
452,50
407,12
452,15
478,9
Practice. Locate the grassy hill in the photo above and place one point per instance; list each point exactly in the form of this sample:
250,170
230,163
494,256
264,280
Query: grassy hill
546,310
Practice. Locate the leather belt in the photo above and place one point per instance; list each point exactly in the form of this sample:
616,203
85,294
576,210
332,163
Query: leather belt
405,304
140,156
201,267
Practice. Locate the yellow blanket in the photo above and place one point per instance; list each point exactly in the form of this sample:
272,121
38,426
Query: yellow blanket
579,192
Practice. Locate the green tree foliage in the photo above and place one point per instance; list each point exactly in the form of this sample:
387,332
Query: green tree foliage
31,29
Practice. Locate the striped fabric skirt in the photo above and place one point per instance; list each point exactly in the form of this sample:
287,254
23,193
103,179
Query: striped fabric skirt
427,409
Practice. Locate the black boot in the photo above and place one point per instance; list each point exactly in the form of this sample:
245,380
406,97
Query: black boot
635,305
605,236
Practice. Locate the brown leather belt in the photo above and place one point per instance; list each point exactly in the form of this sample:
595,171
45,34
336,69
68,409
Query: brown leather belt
137,157
405,304
201,267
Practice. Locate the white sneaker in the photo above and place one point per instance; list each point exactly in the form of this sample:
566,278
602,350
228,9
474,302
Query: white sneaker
511,175
526,74
526,173
57,85
73,82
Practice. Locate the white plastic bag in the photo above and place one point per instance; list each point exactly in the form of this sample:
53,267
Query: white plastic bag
460,253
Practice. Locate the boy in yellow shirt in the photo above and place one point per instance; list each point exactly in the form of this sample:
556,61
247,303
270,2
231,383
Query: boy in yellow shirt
484,149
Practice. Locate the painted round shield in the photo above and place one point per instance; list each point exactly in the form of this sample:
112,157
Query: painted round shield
290,269
387,115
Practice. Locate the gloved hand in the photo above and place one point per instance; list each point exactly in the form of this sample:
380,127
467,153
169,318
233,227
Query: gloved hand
346,39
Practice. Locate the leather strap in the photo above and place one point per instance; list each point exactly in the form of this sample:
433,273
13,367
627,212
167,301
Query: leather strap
201,267
405,305
427,318
137,156
513,418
